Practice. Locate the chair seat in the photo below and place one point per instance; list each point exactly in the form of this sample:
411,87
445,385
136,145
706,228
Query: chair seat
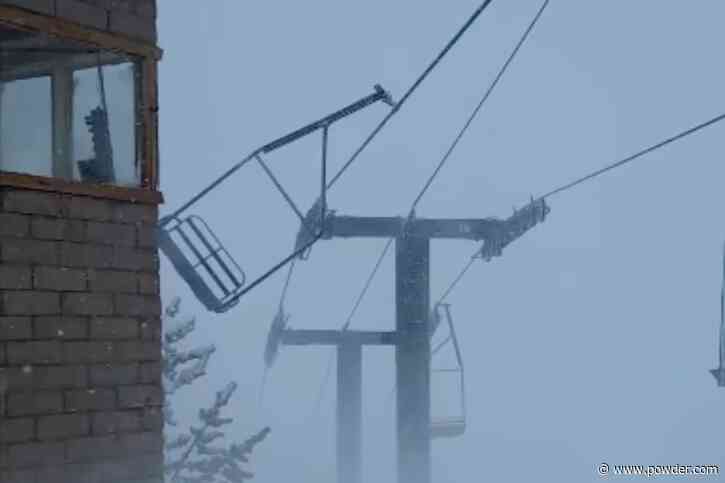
447,428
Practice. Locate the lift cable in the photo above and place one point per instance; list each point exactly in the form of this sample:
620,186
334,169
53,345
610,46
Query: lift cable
346,325
475,112
410,91
639,154
458,278
435,173
718,373
465,127
451,43
369,281
286,283
576,182
599,172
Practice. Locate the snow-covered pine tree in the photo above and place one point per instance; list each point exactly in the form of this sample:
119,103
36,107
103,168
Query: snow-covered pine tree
190,455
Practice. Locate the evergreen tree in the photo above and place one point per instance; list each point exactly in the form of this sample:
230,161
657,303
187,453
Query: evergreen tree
198,454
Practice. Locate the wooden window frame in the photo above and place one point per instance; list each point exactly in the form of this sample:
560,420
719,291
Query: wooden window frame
146,109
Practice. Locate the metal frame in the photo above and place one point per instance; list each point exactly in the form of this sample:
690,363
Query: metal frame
183,267
513,227
148,54
213,251
719,373
451,427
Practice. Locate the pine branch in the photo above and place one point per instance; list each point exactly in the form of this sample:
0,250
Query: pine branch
203,462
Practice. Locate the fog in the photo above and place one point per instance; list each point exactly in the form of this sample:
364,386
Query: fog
589,341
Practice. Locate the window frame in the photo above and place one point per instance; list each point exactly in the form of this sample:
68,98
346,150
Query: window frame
146,108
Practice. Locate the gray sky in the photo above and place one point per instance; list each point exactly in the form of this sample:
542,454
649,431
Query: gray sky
589,340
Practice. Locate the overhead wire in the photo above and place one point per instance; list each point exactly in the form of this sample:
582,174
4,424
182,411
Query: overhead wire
368,282
635,156
483,100
458,278
348,321
437,170
601,171
286,284
410,91
451,43
568,186
465,127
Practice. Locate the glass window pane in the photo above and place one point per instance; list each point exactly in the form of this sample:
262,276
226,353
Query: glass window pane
92,158
62,116
26,126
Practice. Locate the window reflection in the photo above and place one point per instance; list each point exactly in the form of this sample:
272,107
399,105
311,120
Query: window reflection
96,92
68,110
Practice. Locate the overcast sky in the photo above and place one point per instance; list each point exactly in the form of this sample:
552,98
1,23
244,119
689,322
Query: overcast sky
589,341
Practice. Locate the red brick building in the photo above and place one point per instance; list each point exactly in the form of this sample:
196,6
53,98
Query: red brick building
80,378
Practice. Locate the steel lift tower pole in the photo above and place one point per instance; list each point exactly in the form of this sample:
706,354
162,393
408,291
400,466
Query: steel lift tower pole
412,358
413,328
349,345
412,294
349,412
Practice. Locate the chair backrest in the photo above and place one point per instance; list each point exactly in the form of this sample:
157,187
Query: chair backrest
202,261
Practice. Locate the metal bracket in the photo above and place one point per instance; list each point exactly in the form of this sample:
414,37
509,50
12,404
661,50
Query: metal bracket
514,227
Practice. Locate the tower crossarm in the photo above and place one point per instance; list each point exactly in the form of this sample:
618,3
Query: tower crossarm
341,226
337,337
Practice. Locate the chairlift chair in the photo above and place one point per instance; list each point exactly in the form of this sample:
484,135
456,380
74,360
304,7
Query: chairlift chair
455,426
719,372
447,428
197,254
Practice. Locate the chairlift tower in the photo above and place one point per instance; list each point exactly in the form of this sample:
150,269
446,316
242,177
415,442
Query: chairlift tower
218,282
349,346
413,329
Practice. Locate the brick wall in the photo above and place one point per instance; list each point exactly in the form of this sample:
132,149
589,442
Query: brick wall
134,18
80,327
